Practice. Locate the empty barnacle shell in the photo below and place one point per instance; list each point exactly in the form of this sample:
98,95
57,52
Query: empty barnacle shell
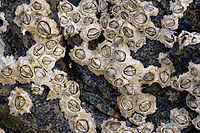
106,51
104,22
128,32
19,102
119,55
95,63
76,17
44,28
26,71
38,49
67,7
110,34
90,7
51,44
88,21
93,33
80,54
113,24
137,119
82,125
130,71
39,72
73,106
26,18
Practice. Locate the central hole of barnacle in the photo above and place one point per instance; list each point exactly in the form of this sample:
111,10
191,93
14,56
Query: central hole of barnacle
1,22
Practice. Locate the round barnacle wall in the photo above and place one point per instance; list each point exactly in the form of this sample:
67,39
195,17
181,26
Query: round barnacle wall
19,101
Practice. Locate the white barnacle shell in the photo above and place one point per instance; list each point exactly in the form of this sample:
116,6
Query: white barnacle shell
127,104
166,37
150,75
112,125
170,21
19,102
146,127
180,117
88,7
47,61
137,118
151,31
8,72
193,103
40,7
196,122
169,127
145,104
186,82
149,9
3,28
37,89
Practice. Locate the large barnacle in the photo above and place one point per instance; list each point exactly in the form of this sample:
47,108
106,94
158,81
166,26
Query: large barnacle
19,102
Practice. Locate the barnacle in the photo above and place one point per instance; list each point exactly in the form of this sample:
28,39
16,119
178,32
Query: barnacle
165,128
19,102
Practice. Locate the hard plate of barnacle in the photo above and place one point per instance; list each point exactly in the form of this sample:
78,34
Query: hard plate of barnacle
100,66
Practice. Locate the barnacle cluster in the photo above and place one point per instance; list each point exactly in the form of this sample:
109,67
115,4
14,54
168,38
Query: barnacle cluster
125,26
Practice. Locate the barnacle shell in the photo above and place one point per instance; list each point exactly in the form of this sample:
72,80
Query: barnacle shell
8,70
150,75
180,117
193,103
3,28
137,119
196,122
19,102
40,7
145,104
37,89
165,128
170,21
146,127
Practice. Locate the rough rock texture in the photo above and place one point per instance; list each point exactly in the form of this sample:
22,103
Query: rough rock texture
97,95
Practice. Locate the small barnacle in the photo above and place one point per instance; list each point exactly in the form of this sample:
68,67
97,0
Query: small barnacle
151,31
119,55
128,32
112,125
47,61
110,73
19,102
130,71
66,6
113,24
26,71
129,5
126,104
73,87
76,17
168,128
50,44
59,51
137,119
103,6
146,128
140,18
150,74
44,28
64,21
39,72
196,122
146,104
37,89
192,102
104,22
118,41
93,33
82,125
5,23
118,82
40,7
110,34
38,50
87,21
164,76
106,51
95,63
124,15
170,21
180,117
73,106
80,53
185,81
26,18
196,90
